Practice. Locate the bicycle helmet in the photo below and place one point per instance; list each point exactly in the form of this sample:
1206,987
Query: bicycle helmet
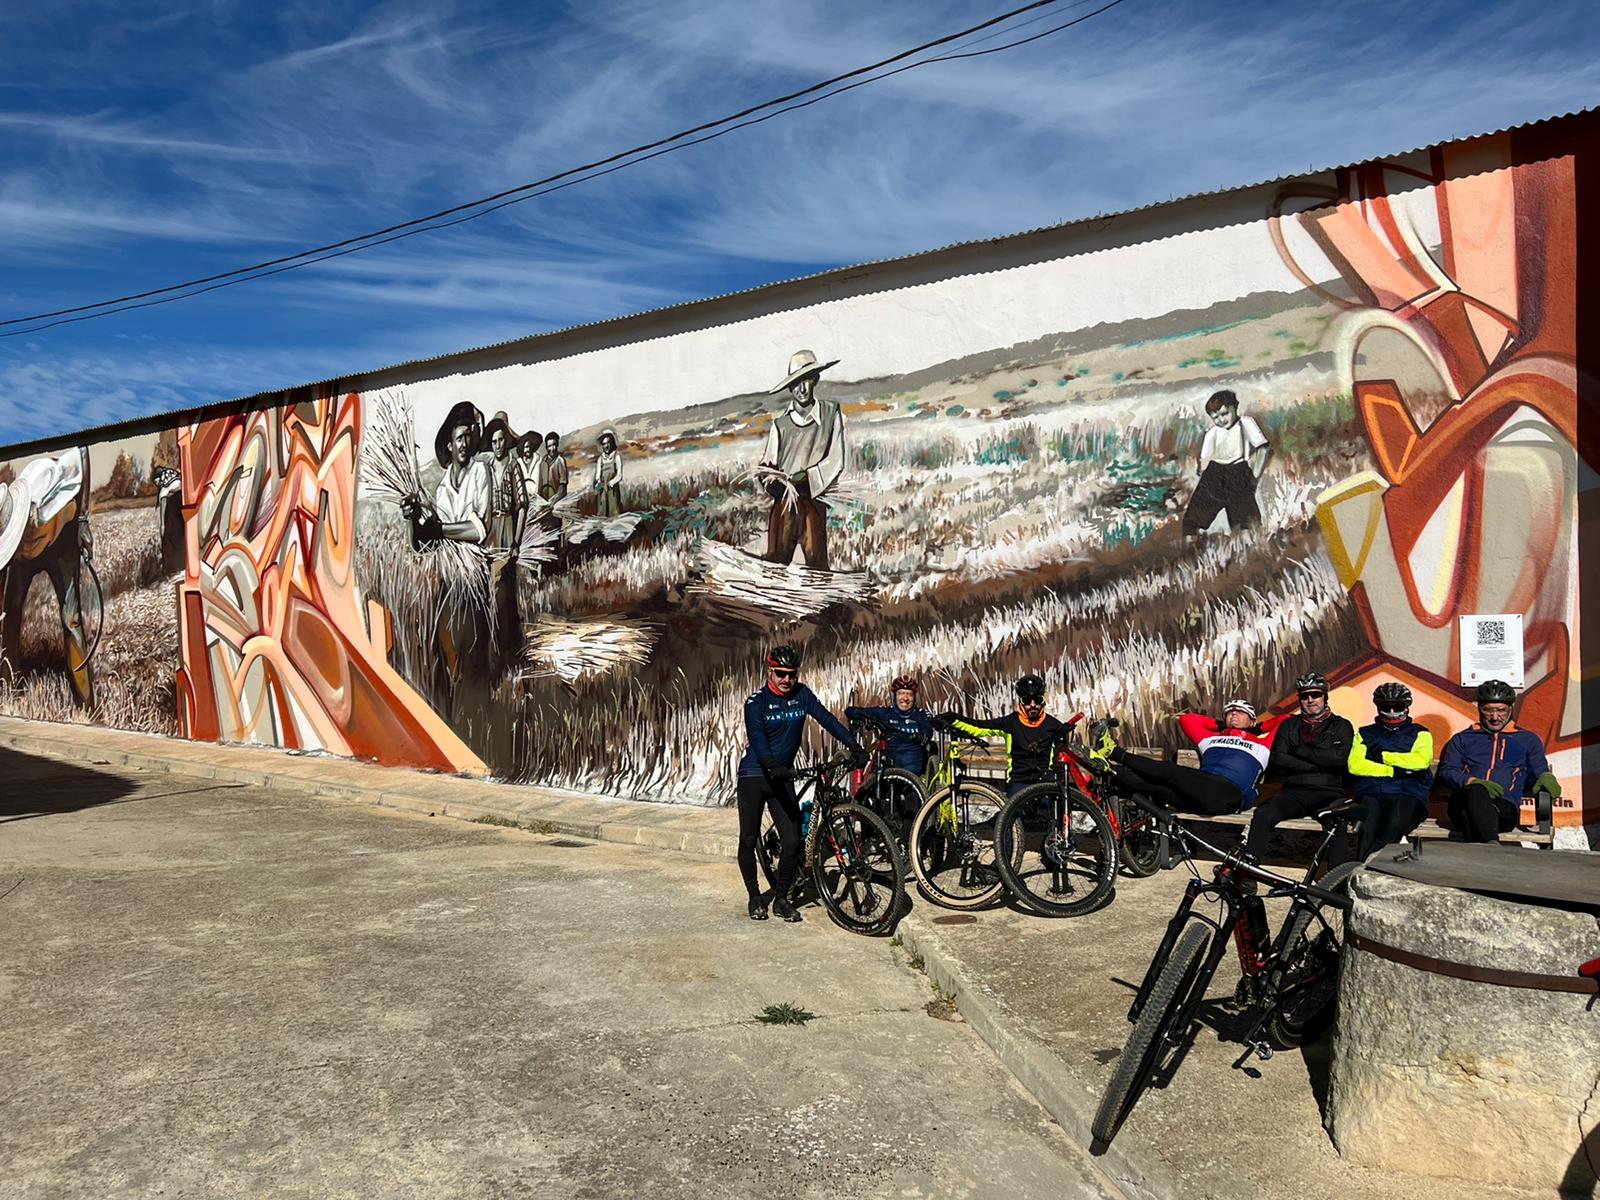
785,656
1495,691
1393,702
904,683
1311,681
1243,706
1031,687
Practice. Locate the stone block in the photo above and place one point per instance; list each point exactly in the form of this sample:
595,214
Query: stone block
1458,1078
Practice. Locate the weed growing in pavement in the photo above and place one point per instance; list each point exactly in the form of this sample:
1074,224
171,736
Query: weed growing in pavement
784,1014
917,962
496,819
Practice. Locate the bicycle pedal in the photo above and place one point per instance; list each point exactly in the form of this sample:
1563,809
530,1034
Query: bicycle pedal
1261,1050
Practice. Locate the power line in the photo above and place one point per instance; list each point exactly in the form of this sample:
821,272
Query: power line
570,177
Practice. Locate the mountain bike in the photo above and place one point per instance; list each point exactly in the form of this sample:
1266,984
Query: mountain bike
1289,983
951,843
849,856
1056,847
1140,848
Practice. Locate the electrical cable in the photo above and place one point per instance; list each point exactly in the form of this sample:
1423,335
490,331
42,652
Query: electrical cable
553,183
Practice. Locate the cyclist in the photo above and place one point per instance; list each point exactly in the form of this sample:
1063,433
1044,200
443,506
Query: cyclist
1491,766
1233,754
909,727
774,720
1392,761
1310,754
1028,732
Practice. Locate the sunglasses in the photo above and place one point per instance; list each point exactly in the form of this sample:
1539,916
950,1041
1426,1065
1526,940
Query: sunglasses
783,673
1313,695
1393,712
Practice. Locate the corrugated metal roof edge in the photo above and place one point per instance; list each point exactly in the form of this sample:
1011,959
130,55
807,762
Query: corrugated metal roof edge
174,416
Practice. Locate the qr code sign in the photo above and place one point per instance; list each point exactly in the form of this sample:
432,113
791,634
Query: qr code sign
1491,633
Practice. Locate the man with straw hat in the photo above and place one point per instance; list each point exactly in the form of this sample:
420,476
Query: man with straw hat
460,512
508,509
803,459
44,527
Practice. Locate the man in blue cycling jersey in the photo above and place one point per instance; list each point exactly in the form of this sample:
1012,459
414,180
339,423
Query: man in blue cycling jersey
774,721
1491,766
908,726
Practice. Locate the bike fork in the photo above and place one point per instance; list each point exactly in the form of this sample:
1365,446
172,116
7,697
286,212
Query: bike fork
1168,940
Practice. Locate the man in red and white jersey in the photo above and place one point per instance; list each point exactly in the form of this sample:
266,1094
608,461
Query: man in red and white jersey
1233,755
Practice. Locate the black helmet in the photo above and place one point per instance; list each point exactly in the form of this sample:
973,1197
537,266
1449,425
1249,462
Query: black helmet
1311,681
1495,691
1392,696
1030,687
784,656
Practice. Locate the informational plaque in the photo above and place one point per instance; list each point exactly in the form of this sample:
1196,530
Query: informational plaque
1491,648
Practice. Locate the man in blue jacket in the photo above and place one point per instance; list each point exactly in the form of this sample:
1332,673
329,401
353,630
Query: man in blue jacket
774,721
1392,764
908,726
1491,766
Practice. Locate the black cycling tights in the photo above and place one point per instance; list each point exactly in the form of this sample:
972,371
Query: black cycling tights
755,796
1182,789
1480,816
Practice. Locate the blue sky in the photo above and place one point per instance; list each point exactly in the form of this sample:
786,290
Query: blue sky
144,143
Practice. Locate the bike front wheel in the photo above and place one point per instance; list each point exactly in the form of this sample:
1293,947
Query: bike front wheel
1158,1027
952,846
1306,983
896,796
1056,853
858,870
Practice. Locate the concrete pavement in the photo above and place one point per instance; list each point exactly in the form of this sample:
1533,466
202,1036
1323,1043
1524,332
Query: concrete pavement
209,987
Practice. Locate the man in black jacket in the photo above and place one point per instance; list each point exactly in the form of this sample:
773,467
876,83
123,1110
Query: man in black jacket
1309,758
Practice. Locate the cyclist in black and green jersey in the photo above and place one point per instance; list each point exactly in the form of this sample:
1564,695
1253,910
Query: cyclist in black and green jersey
1028,732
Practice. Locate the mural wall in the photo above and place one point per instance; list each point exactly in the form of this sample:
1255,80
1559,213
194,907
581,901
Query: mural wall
1163,473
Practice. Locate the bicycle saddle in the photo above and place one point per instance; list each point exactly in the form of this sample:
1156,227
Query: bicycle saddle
1336,811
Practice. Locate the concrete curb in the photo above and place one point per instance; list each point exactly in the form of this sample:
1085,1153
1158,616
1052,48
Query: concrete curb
628,822
1035,1065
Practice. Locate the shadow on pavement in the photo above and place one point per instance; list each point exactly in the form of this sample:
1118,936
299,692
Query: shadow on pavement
42,787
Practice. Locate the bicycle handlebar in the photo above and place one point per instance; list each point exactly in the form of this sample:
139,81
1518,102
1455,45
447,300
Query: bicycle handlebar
1234,859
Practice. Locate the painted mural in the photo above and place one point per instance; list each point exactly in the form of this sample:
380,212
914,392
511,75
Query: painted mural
89,544
1163,475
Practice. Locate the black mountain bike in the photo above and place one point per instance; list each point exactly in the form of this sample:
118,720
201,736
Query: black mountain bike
849,852
1290,983
1055,848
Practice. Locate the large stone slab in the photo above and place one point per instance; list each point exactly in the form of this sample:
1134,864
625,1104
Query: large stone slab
1459,1078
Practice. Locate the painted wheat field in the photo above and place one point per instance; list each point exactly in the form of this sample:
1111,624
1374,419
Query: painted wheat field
1020,513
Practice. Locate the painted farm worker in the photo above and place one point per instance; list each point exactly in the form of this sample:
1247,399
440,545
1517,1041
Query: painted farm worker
805,450
460,512
44,527
1491,766
169,518
909,726
528,446
508,509
608,477
1028,730
1232,458
1392,762
774,722
552,471
1310,757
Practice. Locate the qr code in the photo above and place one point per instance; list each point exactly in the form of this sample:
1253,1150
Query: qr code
1491,633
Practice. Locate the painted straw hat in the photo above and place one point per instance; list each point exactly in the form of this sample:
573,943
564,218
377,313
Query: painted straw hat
14,505
464,413
801,364
498,422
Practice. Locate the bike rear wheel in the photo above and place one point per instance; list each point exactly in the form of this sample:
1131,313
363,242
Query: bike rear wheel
1307,983
857,868
1056,867
895,795
1156,1030
1140,838
952,846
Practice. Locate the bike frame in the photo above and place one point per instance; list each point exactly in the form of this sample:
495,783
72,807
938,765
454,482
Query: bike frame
1253,960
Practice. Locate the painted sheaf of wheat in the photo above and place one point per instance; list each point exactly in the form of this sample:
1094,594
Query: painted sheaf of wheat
782,589
571,650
